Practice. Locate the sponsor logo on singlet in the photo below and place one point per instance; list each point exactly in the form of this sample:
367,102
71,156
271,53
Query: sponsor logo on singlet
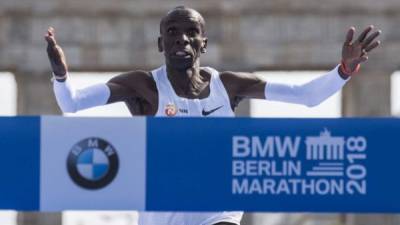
170,109
92,163
208,112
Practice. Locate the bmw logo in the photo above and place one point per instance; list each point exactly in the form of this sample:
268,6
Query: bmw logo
92,163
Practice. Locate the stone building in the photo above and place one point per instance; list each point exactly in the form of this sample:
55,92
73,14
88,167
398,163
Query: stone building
251,35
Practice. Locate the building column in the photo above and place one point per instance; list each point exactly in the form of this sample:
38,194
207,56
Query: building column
35,218
35,97
372,219
368,94
35,93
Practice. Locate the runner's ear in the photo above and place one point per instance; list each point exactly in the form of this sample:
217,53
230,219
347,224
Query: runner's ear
204,47
160,47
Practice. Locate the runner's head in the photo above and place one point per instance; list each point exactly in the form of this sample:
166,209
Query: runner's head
182,37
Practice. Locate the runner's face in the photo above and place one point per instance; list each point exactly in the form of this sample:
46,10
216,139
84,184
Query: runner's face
182,40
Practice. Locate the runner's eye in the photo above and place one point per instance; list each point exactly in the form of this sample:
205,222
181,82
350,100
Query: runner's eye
193,32
171,31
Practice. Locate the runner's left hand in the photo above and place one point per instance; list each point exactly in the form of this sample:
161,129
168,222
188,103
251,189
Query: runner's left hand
356,52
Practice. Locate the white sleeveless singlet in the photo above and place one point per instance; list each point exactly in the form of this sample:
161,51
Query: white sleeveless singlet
169,104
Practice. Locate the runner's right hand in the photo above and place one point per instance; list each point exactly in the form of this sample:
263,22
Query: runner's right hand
55,54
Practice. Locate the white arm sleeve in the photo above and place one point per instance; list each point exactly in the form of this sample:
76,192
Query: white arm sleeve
71,100
310,94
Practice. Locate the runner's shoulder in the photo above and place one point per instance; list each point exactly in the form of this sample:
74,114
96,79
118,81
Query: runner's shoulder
133,78
230,79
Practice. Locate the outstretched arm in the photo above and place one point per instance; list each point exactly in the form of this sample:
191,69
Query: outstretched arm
315,91
68,98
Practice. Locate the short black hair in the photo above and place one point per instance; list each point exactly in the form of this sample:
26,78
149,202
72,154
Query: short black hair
187,9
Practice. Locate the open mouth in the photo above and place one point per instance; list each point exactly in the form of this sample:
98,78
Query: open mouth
182,54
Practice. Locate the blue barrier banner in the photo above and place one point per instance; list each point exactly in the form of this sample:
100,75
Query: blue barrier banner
20,163
274,165
53,163
93,163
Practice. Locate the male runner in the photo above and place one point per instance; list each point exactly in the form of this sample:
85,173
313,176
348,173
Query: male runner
182,88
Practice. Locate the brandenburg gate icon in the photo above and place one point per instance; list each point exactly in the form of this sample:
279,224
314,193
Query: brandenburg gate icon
325,147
